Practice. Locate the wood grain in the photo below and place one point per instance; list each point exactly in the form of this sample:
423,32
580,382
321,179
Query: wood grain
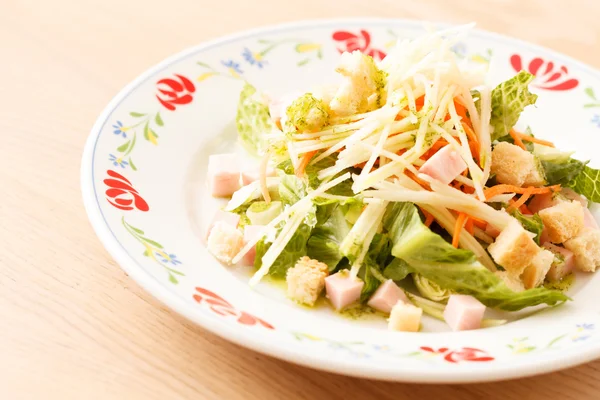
73,325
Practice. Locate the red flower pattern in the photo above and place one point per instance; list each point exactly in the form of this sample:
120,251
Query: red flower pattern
220,306
548,75
462,354
361,42
121,194
175,92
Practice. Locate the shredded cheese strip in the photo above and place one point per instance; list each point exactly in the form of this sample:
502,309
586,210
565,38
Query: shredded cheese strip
485,138
287,212
374,217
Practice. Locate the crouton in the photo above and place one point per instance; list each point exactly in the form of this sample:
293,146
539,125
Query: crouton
534,274
306,114
563,220
563,264
586,247
306,280
405,317
515,166
514,249
514,283
224,241
364,87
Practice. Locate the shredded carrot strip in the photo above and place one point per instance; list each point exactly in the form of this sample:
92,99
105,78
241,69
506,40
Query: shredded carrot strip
478,223
469,226
263,177
428,217
525,210
517,139
501,189
528,138
522,199
462,113
304,163
420,181
460,222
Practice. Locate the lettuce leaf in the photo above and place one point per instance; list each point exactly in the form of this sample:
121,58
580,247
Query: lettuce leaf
587,183
509,99
378,253
457,270
291,189
295,249
253,121
562,172
397,270
324,242
532,223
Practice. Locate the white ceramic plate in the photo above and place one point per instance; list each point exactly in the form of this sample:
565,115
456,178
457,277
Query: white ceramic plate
143,175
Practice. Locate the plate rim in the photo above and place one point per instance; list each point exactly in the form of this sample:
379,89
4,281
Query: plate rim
232,333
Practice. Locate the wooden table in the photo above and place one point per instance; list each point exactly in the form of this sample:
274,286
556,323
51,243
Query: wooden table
73,325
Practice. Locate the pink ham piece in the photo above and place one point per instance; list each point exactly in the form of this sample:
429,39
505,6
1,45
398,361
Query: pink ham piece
559,271
463,312
386,296
445,165
542,201
342,290
572,195
223,216
588,219
223,174
250,233
251,173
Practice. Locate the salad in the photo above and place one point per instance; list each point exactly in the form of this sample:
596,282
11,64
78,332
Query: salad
405,187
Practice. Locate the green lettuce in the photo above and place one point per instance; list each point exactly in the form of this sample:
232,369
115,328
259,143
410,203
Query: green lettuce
532,223
426,253
509,99
324,242
562,172
291,189
379,251
295,249
587,183
253,121
397,270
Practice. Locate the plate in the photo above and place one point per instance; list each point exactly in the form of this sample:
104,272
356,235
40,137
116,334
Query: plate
143,182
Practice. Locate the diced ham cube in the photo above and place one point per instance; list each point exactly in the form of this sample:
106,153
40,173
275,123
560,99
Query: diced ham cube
572,195
342,290
251,173
386,296
223,216
463,312
542,201
560,269
251,232
223,174
588,219
445,165
405,317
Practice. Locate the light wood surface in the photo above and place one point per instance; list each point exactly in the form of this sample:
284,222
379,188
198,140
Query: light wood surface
72,324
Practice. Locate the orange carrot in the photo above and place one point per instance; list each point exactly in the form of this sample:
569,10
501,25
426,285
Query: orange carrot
462,113
428,217
469,226
458,226
522,199
502,188
525,210
420,181
304,163
523,136
517,139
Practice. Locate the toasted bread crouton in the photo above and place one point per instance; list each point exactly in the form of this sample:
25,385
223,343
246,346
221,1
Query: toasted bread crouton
534,275
306,280
514,249
514,283
586,247
405,317
364,87
224,241
515,166
563,220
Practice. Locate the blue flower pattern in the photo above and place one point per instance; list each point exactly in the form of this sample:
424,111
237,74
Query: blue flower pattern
170,258
233,66
117,162
252,58
119,130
